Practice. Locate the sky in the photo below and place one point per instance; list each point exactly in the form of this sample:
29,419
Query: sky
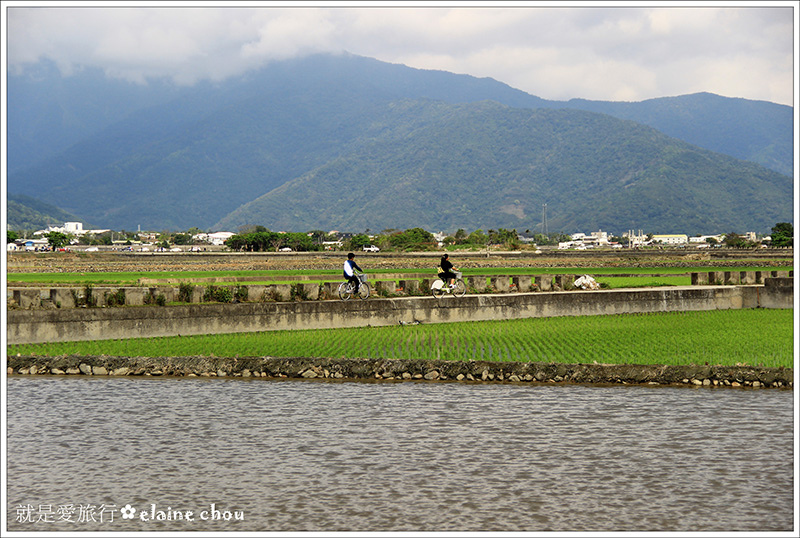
624,52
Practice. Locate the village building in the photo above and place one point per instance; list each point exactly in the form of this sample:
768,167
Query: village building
704,239
74,229
215,238
671,239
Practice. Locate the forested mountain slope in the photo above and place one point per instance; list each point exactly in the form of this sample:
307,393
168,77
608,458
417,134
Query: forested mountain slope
444,167
163,157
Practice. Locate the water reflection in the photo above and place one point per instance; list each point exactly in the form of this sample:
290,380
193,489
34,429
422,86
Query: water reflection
344,456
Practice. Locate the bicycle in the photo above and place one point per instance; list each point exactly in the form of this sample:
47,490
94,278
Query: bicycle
439,288
347,289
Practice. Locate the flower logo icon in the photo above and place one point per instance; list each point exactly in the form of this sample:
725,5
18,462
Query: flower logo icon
127,511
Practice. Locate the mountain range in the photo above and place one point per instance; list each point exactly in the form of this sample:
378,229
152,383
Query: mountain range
351,143
26,213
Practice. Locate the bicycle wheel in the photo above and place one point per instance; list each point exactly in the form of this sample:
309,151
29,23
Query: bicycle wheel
345,291
437,288
363,291
461,289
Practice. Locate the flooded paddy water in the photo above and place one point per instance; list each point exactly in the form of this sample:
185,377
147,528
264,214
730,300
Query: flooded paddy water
122,454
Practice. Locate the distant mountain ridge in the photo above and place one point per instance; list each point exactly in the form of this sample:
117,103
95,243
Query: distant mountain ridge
754,131
207,156
26,213
588,168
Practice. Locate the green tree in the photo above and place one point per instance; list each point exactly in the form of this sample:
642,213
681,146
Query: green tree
508,238
478,237
382,241
251,229
734,240
235,242
541,239
782,235
11,236
276,241
104,239
299,241
57,239
318,237
256,241
358,241
181,239
412,239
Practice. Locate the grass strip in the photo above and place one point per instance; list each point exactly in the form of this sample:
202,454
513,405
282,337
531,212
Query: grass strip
644,281
131,278
754,337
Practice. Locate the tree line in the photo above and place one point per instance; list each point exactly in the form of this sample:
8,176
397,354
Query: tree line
260,239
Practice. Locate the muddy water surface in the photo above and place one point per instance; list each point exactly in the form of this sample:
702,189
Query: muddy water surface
125,454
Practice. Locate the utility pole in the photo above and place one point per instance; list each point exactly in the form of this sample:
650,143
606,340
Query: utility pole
544,219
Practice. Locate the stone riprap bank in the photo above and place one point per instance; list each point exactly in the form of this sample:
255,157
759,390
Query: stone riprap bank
405,370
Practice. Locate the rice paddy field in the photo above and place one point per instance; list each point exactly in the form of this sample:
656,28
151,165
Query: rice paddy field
747,337
757,337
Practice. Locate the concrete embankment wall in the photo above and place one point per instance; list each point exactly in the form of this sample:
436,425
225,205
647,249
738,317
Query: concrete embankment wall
402,370
152,291
32,326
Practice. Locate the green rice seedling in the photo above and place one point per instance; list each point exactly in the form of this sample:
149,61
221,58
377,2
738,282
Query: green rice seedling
717,337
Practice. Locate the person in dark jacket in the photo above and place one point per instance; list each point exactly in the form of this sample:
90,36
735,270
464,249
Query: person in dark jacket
350,267
446,270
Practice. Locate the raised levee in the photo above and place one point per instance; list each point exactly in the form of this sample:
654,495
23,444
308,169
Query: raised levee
31,326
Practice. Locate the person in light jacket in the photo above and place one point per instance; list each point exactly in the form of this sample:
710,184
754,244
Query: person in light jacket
350,268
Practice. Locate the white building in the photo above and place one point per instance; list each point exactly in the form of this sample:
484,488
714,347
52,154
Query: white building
70,228
216,238
671,239
601,237
702,239
331,245
219,238
635,238
597,238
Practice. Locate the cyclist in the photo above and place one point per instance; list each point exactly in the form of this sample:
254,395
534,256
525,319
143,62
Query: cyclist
350,266
446,270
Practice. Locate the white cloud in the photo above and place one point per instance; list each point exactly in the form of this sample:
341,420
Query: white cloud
290,33
557,53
